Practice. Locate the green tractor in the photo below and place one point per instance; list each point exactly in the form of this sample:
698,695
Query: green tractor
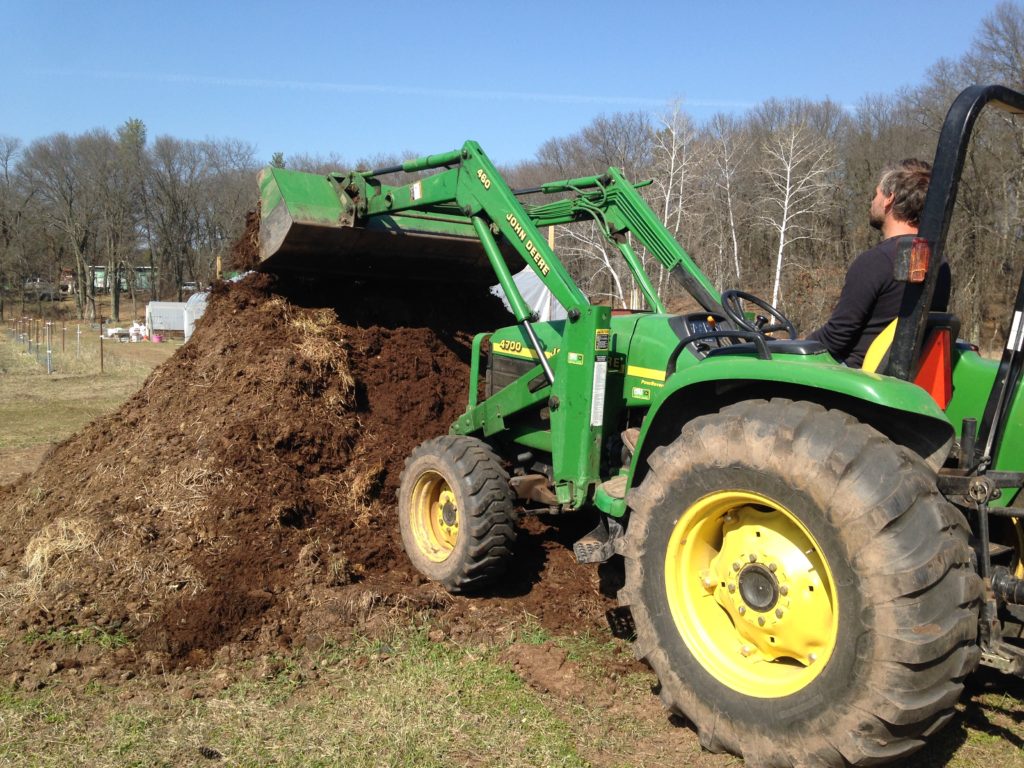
815,556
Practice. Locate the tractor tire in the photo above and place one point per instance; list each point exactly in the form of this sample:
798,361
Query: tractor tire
799,586
457,513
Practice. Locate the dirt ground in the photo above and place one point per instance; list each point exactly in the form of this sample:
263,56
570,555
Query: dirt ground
243,501
18,462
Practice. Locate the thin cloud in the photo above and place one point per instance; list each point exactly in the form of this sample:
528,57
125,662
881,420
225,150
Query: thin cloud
392,90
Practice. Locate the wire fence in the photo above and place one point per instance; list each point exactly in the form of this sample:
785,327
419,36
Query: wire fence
77,346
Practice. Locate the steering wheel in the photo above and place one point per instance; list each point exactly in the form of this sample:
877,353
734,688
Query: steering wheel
733,308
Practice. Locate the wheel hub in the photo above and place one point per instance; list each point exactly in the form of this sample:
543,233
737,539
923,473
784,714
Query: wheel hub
448,514
772,585
758,588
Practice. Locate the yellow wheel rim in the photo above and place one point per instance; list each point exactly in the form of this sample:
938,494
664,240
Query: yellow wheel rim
434,516
751,594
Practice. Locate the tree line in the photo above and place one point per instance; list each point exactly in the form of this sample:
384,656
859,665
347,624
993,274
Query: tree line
114,201
773,201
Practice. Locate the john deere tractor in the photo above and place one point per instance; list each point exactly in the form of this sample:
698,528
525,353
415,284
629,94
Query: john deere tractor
815,556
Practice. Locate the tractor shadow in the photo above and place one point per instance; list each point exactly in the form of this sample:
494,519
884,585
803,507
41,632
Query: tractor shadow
543,552
991,710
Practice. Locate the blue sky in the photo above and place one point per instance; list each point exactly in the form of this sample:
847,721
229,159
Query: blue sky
366,78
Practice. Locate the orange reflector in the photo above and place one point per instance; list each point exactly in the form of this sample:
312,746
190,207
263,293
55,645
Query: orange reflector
920,255
935,373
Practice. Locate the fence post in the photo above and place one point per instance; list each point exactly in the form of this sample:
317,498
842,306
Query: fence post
101,343
49,348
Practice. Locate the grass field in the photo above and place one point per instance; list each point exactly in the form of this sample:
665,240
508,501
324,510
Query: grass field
405,694
38,409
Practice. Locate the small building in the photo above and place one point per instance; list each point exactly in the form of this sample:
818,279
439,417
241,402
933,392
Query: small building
102,281
144,279
175,316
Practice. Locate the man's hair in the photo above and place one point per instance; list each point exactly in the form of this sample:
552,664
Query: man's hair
907,181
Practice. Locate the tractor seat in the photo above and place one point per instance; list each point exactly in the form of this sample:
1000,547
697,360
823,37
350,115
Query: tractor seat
934,364
775,346
877,357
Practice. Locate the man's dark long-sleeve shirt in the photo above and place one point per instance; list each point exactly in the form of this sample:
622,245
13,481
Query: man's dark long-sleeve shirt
870,300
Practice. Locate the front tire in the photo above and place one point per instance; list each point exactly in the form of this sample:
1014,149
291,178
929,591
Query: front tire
456,512
800,588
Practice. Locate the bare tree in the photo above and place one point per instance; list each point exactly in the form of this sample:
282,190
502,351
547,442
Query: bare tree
175,181
227,193
13,203
728,151
998,51
797,165
135,166
674,167
54,168
621,140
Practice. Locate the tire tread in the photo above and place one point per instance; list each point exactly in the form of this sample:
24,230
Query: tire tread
908,542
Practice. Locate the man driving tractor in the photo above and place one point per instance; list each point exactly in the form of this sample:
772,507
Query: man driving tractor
870,299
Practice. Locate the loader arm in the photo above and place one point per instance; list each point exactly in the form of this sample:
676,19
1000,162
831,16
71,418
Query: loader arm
473,187
479,193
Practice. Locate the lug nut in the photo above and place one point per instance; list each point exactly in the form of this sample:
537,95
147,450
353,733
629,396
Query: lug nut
753,558
736,566
778,613
813,657
783,590
707,582
760,621
732,587
773,567
746,650
742,609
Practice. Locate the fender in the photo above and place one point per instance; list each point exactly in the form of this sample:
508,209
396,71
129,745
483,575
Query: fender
886,403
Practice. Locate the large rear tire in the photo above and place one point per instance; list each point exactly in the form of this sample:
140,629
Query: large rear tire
456,512
800,588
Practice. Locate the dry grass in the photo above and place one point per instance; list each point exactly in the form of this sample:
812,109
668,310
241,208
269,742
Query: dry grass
327,561
52,553
75,349
365,486
321,347
37,408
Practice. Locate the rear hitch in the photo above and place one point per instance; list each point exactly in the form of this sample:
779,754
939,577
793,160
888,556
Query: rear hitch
1008,659
996,652
975,491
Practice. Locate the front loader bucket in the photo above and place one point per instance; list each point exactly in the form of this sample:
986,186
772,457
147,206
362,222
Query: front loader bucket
308,225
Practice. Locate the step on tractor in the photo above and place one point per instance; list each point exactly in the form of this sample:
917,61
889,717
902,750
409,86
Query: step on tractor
815,556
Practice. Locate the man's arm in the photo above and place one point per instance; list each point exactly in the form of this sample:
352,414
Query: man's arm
863,283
